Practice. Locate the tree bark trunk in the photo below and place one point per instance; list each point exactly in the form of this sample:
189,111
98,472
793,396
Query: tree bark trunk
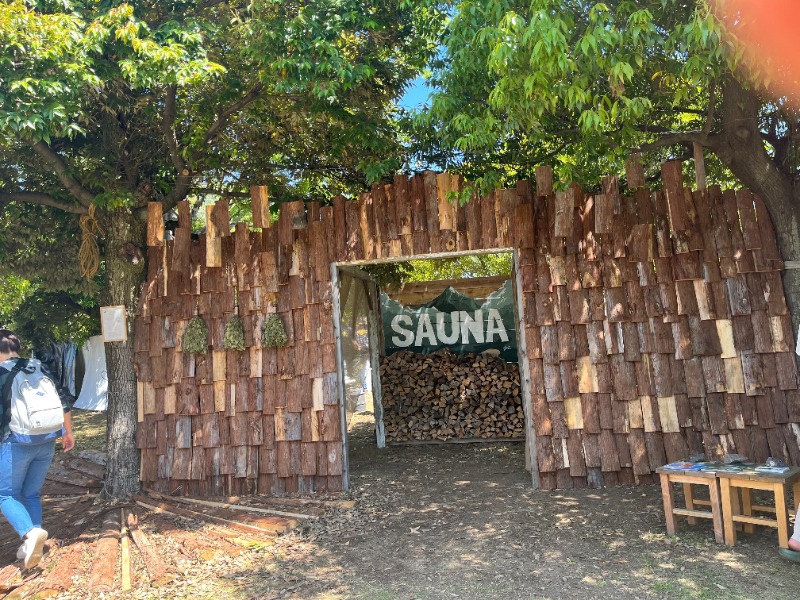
787,229
741,147
124,279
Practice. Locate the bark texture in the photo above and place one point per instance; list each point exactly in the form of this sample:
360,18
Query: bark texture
741,147
124,279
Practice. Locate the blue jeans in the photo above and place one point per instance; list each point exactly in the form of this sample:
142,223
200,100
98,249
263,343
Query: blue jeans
23,468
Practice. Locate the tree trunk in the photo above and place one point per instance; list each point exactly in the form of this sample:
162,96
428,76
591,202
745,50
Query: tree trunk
124,279
741,147
786,218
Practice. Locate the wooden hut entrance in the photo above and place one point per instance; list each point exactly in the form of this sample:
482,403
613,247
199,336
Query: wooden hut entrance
655,327
484,396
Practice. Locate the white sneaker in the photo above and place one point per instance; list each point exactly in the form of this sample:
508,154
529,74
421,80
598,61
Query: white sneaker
21,552
33,546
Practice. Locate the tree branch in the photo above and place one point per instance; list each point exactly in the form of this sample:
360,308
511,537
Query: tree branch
686,110
183,177
224,115
84,196
741,145
181,189
168,128
679,137
42,199
221,192
712,107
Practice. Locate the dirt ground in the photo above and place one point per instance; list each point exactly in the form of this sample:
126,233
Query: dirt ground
461,521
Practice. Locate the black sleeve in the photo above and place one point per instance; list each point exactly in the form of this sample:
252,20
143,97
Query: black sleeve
67,399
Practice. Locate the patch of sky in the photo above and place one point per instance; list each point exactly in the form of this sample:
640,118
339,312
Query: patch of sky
416,96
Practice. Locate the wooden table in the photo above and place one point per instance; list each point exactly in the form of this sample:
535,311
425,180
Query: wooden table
688,479
735,512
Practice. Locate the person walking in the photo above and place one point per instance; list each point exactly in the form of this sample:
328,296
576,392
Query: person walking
25,457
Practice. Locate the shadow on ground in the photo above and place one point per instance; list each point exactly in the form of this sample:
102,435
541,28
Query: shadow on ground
461,521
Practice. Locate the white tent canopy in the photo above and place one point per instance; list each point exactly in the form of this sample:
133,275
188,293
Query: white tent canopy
94,391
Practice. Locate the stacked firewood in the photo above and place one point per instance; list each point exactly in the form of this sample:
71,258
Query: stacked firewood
445,396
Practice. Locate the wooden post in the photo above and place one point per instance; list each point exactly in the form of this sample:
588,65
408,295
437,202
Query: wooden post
699,167
689,501
544,180
666,494
727,510
155,224
531,448
337,329
259,200
375,330
781,515
713,496
634,171
672,177
213,239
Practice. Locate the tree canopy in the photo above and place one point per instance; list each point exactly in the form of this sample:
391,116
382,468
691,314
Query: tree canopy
437,269
579,85
101,98
106,105
575,84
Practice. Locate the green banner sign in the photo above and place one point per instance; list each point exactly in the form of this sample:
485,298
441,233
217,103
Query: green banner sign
454,321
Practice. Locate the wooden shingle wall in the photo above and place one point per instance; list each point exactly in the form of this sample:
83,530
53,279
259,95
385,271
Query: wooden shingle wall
655,323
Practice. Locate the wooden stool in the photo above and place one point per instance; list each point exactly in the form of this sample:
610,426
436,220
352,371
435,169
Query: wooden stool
688,479
735,512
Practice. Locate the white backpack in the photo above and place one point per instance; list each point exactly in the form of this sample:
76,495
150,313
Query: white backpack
33,401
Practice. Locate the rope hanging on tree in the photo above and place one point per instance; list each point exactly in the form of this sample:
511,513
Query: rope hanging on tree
89,253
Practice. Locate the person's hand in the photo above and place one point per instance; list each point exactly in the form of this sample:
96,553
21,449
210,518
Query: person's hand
67,441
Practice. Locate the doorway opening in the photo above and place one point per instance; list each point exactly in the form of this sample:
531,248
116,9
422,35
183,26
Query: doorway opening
430,351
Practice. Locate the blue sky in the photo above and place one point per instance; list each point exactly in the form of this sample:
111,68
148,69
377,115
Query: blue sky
416,95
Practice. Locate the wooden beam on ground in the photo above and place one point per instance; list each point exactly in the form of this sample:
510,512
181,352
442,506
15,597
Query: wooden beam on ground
234,506
67,564
205,541
77,480
85,466
153,562
72,540
28,588
198,516
344,504
125,554
10,577
104,565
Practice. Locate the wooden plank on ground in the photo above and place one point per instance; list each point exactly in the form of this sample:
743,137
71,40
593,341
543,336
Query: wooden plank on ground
10,577
76,480
280,525
67,564
156,566
343,504
104,565
125,554
240,507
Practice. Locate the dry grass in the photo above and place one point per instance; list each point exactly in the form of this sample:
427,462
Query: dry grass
89,428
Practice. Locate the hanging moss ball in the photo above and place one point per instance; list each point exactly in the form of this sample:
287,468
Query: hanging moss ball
195,337
273,334
234,334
